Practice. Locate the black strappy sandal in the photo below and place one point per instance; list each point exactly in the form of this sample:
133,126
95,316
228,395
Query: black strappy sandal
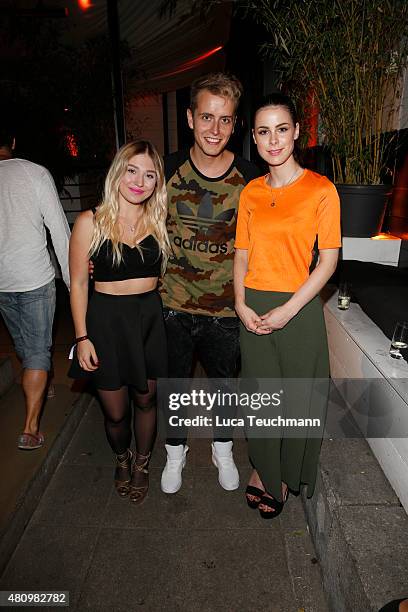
274,504
250,490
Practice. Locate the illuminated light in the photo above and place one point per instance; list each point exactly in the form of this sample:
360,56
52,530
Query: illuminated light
191,63
71,144
66,109
384,237
84,4
311,119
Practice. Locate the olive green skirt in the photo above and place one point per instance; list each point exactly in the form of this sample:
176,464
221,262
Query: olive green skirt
298,351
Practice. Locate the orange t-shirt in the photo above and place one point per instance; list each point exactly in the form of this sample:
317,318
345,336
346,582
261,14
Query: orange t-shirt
280,238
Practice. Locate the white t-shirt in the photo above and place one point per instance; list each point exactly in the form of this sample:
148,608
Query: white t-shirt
29,203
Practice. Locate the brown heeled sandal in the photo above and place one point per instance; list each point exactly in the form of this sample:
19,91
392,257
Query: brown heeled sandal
123,462
137,494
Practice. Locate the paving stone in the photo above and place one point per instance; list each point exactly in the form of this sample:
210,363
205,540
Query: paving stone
353,474
77,495
238,570
89,445
51,558
195,570
136,569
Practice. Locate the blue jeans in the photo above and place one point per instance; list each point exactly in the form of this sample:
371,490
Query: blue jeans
29,316
215,342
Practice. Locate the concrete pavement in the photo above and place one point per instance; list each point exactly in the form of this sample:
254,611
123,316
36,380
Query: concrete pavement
202,549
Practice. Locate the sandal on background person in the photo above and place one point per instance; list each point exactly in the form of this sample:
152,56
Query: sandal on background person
28,441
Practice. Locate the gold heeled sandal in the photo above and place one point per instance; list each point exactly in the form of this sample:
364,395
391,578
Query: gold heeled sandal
137,494
123,462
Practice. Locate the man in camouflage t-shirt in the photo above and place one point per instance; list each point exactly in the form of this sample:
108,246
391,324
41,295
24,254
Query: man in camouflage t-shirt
204,185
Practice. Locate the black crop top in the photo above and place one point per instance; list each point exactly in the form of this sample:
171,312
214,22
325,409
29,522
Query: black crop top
132,264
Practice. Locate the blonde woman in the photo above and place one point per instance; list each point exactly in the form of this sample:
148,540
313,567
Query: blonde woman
120,334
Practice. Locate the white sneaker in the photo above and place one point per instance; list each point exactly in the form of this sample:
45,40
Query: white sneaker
222,458
176,460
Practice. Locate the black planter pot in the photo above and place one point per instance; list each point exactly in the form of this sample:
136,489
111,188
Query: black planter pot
362,209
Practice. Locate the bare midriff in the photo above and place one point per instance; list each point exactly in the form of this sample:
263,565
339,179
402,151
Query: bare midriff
127,287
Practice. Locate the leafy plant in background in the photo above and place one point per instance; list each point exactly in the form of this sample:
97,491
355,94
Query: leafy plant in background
351,55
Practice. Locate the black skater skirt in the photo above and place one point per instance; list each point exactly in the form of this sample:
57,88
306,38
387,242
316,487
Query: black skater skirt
130,340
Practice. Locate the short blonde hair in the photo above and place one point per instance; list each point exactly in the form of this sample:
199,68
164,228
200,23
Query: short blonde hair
219,84
106,218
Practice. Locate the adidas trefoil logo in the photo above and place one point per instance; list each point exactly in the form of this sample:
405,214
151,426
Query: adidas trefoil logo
202,223
204,218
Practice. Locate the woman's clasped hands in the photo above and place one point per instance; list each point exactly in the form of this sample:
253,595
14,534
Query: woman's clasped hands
262,324
273,320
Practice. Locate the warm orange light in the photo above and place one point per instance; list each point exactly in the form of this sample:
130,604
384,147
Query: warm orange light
84,4
71,144
311,119
384,237
191,63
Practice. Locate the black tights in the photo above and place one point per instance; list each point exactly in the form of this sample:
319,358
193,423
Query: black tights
118,415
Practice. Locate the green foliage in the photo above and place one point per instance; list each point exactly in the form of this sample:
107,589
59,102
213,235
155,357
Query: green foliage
351,54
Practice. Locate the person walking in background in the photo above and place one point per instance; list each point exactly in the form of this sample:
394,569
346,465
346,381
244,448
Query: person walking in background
283,332
203,186
120,335
29,204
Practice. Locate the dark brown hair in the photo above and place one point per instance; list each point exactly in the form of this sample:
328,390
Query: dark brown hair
278,99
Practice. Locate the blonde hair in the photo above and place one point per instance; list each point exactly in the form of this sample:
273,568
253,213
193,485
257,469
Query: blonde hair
219,84
106,218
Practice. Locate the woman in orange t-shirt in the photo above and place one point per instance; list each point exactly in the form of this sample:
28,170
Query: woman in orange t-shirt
283,335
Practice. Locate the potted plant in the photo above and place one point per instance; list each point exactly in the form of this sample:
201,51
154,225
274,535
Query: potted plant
351,55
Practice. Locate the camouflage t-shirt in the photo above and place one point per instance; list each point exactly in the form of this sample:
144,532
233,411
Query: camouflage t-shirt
201,226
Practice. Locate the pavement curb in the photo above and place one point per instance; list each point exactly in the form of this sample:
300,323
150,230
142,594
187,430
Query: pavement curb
30,497
357,525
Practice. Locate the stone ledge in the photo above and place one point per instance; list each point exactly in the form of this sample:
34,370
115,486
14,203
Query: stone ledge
358,527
